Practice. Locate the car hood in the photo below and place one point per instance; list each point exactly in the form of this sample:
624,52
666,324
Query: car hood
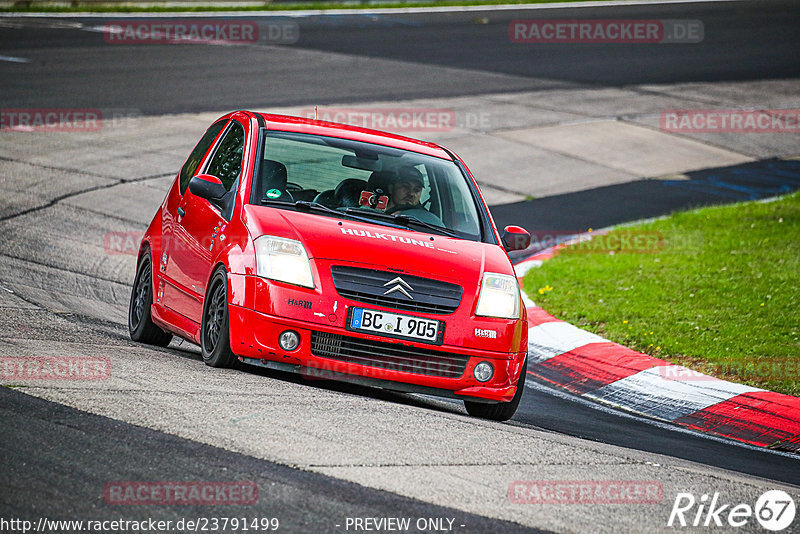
329,238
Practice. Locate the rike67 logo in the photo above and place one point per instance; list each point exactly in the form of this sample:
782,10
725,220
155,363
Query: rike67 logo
774,511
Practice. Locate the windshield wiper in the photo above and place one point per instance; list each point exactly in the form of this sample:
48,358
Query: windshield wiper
401,220
305,206
286,203
428,226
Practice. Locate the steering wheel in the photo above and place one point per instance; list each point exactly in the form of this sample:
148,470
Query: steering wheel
291,186
417,212
402,207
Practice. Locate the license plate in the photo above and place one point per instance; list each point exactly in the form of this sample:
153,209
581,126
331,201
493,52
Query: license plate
395,325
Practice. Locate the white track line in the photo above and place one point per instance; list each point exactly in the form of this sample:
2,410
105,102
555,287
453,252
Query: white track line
617,412
376,11
649,393
551,339
13,59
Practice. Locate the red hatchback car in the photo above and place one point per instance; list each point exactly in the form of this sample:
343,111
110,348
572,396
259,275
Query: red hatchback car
338,252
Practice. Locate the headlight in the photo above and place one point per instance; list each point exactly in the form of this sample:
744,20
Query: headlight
284,260
499,296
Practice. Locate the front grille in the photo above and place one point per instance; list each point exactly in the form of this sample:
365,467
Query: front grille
392,356
369,286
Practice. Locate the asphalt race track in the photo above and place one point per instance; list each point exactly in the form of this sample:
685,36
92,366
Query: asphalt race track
301,500
415,56
322,452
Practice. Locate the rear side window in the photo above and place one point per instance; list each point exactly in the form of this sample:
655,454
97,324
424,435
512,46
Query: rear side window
190,167
227,161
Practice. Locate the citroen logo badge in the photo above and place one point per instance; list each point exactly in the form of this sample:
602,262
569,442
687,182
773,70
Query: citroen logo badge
401,286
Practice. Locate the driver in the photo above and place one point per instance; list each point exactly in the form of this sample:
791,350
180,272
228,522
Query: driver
404,195
406,189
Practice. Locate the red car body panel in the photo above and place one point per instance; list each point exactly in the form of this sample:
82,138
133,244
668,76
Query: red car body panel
189,238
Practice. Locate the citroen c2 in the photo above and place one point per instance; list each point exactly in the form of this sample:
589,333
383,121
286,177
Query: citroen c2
337,252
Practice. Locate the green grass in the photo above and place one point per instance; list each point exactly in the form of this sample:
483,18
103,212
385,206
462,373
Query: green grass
77,7
722,296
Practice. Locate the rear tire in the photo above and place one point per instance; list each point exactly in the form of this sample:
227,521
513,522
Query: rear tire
214,332
140,321
502,411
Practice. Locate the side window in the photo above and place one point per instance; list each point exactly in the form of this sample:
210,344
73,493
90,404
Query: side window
462,216
190,167
227,161
427,190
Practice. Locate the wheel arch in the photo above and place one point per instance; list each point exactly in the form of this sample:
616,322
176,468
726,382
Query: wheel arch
217,357
144,248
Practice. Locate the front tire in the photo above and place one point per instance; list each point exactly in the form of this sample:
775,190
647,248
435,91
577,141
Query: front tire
140,321
214,332
502,411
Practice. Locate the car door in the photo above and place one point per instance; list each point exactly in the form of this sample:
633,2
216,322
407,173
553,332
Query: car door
199,222
171,294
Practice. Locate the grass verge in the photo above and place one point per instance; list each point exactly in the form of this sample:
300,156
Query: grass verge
721,296
77,7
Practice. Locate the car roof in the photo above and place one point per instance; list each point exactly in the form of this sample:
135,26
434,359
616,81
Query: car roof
333,129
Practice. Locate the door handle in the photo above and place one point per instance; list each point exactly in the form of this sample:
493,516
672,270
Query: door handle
182,212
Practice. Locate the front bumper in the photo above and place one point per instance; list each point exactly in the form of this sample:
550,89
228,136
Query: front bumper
444,370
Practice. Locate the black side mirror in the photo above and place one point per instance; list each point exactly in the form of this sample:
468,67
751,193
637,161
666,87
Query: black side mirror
208,187
516,238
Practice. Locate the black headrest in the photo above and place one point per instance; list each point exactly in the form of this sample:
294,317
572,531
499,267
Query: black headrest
348,192
273,174
381,180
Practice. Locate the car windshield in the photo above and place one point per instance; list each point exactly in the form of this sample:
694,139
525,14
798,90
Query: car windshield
379,184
